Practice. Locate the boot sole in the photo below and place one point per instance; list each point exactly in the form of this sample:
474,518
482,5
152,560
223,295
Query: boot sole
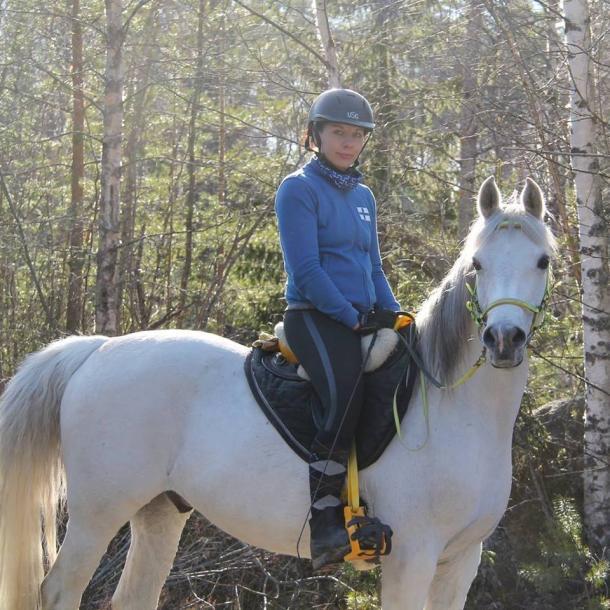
331,558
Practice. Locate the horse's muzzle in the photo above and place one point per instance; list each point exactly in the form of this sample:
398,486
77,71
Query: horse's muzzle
505,345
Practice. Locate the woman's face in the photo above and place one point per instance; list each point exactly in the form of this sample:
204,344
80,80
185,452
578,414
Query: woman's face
341,144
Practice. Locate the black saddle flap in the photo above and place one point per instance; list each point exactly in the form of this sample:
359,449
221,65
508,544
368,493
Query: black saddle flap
290,402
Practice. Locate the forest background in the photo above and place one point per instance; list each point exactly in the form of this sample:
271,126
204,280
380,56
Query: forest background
141,146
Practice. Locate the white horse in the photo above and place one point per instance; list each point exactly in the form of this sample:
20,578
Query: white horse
129,418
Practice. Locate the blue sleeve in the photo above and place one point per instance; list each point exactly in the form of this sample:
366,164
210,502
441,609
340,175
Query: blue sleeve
296,209
383,292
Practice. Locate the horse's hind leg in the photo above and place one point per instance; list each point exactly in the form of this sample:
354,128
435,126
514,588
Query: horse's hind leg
87,536
453,579
155,533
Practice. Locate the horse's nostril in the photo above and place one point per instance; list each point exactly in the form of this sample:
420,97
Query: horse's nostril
516,337
489,339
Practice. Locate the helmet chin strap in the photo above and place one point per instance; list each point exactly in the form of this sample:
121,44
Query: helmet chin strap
357,161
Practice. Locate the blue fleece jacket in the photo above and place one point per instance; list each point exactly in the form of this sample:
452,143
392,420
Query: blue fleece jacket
330,247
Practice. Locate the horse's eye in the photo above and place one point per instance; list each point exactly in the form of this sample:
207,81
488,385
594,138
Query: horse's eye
476,264
543,262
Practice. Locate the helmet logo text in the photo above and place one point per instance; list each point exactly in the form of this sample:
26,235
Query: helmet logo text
353,115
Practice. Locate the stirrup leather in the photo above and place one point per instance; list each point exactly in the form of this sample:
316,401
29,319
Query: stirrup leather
369,538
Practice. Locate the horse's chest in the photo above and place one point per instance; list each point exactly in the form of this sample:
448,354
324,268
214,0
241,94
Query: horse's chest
477,517
470,488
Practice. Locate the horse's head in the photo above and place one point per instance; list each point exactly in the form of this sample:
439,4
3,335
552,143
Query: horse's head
510,250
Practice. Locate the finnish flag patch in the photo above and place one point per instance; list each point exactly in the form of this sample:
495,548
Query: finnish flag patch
364,214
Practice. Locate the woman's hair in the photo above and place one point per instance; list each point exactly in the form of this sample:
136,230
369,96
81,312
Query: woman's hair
310,136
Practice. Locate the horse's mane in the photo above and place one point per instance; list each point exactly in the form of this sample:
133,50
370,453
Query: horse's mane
444,323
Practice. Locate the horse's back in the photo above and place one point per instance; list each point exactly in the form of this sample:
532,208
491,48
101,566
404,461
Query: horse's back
162,354
172,410
131,406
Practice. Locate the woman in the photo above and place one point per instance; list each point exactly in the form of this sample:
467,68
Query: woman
328,234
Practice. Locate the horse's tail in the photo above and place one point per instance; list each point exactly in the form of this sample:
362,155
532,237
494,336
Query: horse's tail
31,468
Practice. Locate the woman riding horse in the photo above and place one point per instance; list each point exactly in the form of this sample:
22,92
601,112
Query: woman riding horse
335,290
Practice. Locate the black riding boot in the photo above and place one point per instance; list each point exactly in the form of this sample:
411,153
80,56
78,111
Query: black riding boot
329,539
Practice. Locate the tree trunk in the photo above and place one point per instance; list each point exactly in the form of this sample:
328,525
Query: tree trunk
468,117
106,306
557,102
381,161
593,235
328,44
191,195
76,258
222,127
134,149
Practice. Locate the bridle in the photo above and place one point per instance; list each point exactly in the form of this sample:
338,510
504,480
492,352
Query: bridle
479,315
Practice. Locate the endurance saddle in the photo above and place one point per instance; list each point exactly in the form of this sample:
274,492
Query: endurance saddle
291,404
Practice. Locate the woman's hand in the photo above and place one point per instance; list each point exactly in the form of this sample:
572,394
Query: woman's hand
375,320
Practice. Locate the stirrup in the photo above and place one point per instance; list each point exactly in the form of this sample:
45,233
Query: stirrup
369,538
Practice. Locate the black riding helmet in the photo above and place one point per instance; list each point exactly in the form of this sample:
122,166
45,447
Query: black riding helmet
338,106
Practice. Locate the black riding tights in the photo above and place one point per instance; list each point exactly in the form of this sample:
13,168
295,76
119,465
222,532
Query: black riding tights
330,353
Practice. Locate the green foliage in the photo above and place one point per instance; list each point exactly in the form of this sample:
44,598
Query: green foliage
365,588
407,58
357,600
565,562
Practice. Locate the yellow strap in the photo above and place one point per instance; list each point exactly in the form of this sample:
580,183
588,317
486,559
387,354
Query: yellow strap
353,491
468,374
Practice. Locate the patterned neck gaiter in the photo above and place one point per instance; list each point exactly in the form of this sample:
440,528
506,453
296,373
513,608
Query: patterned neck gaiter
344,181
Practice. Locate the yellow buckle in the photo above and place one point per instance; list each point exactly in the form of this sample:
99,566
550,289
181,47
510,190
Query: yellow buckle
357,553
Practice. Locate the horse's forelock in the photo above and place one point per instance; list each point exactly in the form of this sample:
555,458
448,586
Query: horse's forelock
444,323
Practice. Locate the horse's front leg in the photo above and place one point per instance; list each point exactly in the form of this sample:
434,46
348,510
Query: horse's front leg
406,578
453,578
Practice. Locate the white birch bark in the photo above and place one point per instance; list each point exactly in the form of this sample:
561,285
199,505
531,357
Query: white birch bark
328,44
106,306
593,235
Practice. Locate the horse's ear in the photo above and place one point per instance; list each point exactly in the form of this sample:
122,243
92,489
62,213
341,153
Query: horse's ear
532,199
489,198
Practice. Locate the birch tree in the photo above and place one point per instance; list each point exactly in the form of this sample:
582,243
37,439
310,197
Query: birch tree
328,43
106,306
135,147
593,236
